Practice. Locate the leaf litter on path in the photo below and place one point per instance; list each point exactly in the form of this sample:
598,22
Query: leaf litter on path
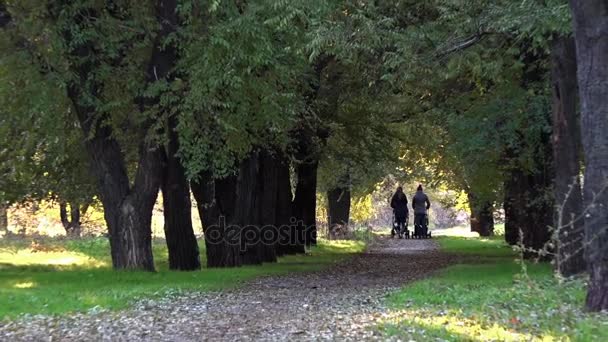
339,303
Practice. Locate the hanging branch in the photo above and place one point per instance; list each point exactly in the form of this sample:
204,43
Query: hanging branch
463,44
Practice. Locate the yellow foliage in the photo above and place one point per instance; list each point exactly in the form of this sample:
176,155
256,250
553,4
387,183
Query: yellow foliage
361,209
462,202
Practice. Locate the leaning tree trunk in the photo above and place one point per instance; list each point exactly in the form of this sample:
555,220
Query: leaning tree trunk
215,199
305,201
338,209
482,215
179,234
591,36
569,222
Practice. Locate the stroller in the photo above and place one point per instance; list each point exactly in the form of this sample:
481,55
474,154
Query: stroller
400,229
421,231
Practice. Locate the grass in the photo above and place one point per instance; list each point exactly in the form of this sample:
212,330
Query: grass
496,299
56,276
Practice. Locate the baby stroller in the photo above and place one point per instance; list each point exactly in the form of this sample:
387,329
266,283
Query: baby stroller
421,229
400,229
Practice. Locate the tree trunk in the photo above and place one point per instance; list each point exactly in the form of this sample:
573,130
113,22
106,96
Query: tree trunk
3,219
528,210
179,234
514,214
215,202
591,36
267,204
482,215
71,224
74,219
63,215
569,222
305,201
246,213
291,241
338,209
127,209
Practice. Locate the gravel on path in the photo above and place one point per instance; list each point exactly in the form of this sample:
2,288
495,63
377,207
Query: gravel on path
341,303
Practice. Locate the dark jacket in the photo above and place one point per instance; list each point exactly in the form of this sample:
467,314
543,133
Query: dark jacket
400,206
420,203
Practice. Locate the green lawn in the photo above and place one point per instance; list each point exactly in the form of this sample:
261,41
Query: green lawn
493,299
56,276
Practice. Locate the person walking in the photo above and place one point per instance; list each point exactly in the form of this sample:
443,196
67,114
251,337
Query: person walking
421,205
400,211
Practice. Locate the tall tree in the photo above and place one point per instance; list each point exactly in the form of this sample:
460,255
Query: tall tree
591,36
179,234
569,221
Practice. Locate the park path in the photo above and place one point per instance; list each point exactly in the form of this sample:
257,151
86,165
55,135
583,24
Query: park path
338,303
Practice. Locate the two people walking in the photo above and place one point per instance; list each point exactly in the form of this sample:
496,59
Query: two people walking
420,204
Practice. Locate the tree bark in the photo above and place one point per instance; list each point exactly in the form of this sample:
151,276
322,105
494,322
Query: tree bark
482,215
63,215
591,36
4,218
338,209
215,200
566,151
514,216
305,201
71,224
246,213
528,210
181,242
267,205
291,240
127,209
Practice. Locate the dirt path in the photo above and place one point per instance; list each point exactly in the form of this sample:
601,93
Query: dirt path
338,303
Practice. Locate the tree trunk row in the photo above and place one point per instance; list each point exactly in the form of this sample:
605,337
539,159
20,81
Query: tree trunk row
249,218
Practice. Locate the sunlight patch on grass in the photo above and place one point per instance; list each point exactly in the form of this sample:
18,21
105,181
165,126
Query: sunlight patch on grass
493,300
25,285
424,324
26,257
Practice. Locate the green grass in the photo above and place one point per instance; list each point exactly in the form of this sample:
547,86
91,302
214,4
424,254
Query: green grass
494,247
59,276
497,299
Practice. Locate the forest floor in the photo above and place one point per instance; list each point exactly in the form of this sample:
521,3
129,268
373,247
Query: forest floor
340,302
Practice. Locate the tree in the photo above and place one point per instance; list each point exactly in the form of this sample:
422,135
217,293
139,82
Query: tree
590,21
567,154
